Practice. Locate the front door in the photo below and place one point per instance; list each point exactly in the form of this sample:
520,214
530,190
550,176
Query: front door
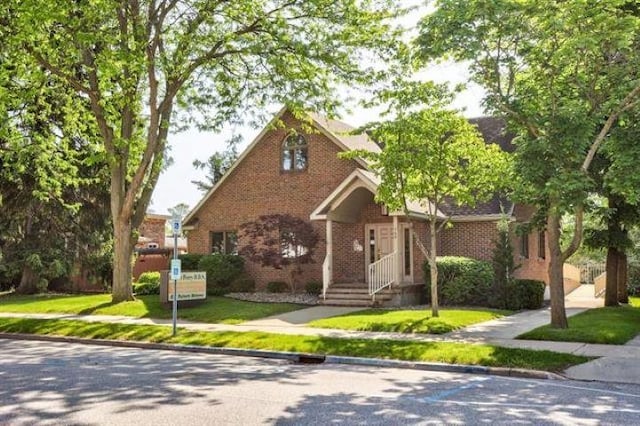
379,243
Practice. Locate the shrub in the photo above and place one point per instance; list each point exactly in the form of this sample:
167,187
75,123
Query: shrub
149,278
633,283
277,287
504,294
530,294
148,283
461,281
221,270
190,261
313,288
243,285
146,288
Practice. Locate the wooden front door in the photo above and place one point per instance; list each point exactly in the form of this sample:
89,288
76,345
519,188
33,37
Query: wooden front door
379,242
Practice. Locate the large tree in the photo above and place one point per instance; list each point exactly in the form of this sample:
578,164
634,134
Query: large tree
431,156
563,74
145,65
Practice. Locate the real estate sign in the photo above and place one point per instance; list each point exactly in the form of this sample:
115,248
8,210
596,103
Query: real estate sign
191,286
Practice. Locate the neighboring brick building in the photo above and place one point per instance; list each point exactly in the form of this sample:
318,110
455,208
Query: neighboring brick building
151,254
298,172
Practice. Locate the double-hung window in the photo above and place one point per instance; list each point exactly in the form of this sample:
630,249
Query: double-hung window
225,242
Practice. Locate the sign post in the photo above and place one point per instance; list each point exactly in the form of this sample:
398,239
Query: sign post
176,268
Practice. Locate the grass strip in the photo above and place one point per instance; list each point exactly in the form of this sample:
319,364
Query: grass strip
213,310
609,325
409,321
444,352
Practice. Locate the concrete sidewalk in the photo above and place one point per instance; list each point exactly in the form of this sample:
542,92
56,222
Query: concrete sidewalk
616,363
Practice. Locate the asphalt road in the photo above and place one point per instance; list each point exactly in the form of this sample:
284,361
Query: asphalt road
57,383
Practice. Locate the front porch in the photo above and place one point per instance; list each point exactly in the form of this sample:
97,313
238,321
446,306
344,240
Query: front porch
371,258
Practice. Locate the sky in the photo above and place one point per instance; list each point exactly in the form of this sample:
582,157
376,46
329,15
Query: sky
175,183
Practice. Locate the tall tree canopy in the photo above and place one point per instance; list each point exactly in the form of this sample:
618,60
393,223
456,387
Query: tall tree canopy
431,156
145,65
563,74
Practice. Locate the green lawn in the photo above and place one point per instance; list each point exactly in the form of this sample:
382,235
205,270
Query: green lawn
614,326
214,310
452,353
409,321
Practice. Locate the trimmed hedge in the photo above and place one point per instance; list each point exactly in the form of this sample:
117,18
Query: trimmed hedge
148,283
277,287
461,281
222,270
530,294
313,287
190,261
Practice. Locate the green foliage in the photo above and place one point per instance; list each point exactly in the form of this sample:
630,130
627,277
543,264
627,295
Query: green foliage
221,270
530,294
146,288
190,261
504,291
462,281
148,283
455,353
408,321
150,278
313,288
244,284
216,166
212,310
145,69
633,284
608,325
277,287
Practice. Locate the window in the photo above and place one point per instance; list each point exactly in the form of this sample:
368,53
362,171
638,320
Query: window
524,246
225,242
290,246
541,245
407,252
294,153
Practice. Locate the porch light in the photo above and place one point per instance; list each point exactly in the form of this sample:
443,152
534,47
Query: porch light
384,211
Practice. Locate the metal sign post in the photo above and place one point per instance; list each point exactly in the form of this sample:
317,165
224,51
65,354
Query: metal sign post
176,269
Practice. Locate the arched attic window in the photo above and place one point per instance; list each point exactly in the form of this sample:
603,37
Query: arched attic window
294,153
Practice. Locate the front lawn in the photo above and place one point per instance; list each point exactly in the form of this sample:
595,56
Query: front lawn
213,310
443,352
409,321
614,326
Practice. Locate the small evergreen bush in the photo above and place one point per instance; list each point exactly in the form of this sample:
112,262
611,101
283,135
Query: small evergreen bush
277,287
243,285
221,270
530,294
190,261
313,288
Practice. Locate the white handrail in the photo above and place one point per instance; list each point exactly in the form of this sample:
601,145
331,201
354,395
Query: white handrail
326,271
382,273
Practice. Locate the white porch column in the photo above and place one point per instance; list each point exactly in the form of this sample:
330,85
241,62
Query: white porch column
396,249
327,270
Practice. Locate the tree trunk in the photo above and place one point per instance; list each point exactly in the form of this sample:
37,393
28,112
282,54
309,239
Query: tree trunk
623,295
611,286
433,269
28,281
122,251
556,277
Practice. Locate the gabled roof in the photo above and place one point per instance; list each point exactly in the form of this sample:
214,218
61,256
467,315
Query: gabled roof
369,180
336,131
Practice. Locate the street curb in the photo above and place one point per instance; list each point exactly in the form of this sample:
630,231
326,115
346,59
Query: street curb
297,357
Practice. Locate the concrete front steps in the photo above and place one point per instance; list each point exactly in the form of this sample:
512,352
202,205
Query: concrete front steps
355,294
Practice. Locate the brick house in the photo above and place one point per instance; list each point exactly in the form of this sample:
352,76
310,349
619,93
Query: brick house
364,247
